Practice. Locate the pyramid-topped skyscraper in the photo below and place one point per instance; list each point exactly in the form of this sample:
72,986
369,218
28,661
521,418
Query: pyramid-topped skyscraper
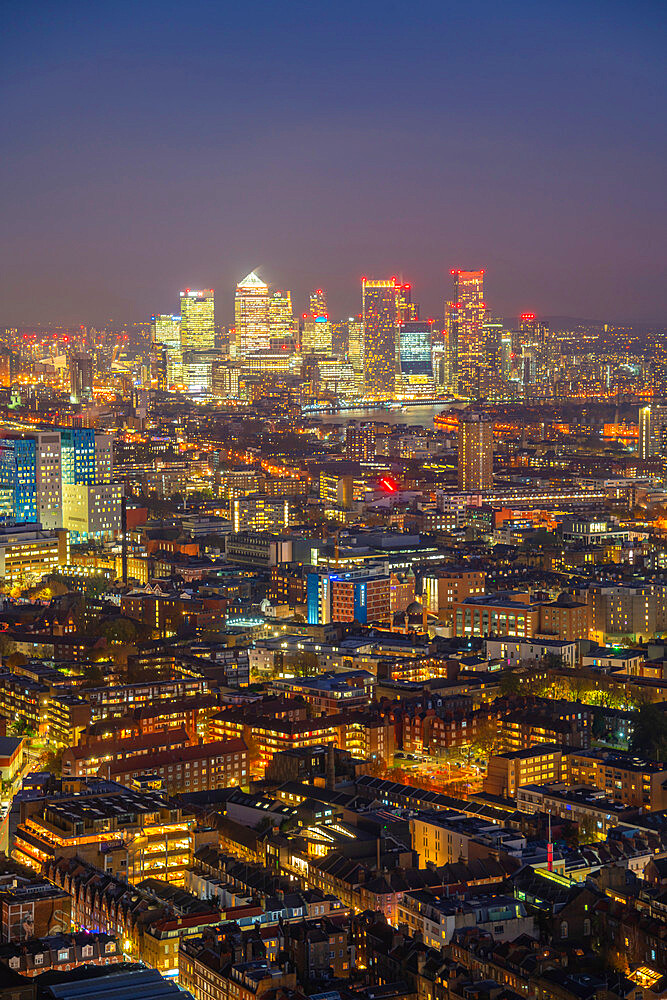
251,312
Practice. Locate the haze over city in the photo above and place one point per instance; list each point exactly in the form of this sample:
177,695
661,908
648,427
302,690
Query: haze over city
148,148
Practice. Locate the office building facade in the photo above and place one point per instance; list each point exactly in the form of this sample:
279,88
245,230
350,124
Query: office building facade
415,353
379,306
281,317
465,327
251,315
166,331
197,320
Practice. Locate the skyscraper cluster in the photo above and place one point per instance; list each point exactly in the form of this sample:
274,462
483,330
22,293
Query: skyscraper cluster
386,352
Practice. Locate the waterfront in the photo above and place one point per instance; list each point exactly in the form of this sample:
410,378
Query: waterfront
412,416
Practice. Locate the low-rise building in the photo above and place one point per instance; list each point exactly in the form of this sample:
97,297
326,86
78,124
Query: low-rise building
203,973
625,779
203,767
60,953
440,838
510,614
330,693
120,831
569,723
512,653
30,906
539,764
11,757
589,807
86,759
437,916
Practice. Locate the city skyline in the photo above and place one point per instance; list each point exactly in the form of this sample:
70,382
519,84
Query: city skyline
530,149
225,301
333,501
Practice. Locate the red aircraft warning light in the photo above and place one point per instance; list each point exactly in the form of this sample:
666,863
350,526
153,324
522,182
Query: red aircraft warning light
527,316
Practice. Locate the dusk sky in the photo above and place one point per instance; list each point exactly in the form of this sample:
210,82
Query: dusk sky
150,146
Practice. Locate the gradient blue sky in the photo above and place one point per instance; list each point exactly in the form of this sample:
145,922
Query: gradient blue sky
150,146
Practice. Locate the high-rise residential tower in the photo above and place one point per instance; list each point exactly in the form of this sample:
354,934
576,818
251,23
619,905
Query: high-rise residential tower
652,431
251,313
465,322
379,304
645,442
360,441
81,378
475,467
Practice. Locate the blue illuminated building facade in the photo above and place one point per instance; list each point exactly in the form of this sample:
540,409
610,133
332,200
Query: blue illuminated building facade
18,478
415,348
78,455
358,595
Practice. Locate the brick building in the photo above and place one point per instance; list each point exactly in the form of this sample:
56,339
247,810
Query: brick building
198,768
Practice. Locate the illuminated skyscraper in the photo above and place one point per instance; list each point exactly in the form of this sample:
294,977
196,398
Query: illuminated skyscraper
533,349
166,330
167,333
441,366
81,378
197,320
339,339
465,322
652,431
251,312
645,442
415,349
491,371
380,319
475,468
318,303
406,309
355,342
533,331
281,319
316,335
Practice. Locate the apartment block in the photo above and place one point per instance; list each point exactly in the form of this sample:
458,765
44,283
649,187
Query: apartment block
539,764
203,767
119,831
511,614
443,589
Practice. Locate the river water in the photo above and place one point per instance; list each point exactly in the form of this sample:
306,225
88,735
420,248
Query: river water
412,416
